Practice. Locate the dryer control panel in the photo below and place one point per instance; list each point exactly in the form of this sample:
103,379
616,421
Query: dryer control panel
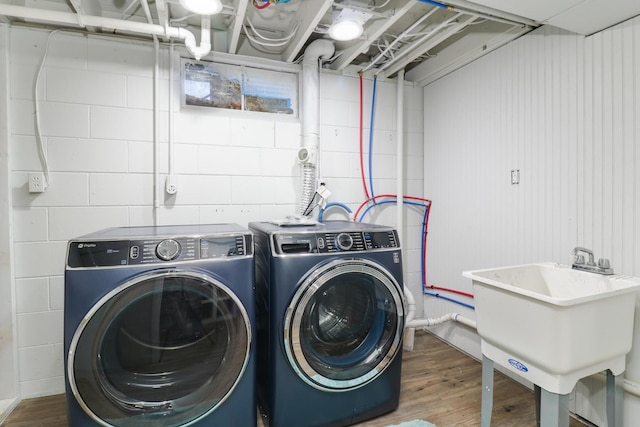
332,242
113,253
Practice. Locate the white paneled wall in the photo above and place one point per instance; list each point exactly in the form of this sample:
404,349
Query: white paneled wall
96,100
564,110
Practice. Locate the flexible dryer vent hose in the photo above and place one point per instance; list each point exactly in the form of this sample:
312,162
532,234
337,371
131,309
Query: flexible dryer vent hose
307,156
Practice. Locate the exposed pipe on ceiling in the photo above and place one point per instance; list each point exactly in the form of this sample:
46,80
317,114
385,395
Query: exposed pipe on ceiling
205,39
72,19
420,41
401,36
490,13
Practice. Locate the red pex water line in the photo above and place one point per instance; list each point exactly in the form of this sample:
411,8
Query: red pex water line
263,6
455,291
424,270
393,196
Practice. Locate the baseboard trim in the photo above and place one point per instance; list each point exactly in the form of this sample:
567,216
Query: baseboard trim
6,407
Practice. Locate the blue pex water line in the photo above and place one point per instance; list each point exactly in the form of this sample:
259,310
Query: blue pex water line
423,266
422,247
330,205
464,304
373,109
384,202
434,3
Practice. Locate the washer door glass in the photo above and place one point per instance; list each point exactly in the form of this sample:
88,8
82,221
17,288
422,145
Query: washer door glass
344,325
164,349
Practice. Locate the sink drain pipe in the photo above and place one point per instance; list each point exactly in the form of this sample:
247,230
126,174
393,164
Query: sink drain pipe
411,323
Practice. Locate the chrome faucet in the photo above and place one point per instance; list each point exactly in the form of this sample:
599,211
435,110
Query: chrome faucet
578,262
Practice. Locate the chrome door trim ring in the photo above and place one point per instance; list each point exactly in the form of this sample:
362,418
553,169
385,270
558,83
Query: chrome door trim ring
128,284
302,296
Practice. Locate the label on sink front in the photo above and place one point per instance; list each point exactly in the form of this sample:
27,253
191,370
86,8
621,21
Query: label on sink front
518,365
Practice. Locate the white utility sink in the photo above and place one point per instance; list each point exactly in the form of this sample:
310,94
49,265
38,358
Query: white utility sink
554,325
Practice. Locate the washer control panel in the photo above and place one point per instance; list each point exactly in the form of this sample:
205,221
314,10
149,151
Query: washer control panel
152,251
106,253
348,241
167,250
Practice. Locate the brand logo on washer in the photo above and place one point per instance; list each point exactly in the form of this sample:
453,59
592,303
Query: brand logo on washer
86,245
396,258
518,365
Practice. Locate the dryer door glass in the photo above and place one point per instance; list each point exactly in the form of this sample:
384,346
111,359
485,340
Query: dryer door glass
344,325
162,350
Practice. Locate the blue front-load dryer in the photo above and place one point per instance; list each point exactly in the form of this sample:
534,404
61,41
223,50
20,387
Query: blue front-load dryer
330,319
159,327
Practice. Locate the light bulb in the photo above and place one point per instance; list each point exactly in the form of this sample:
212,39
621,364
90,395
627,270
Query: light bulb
346,30
202,7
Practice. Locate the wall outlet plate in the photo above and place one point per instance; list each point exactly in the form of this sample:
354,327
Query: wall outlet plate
171,184
36,182
515,176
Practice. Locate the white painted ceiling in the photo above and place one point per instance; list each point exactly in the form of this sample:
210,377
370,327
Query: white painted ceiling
580,16
419,36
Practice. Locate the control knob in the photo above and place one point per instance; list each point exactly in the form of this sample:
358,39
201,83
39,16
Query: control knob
344,241
168,250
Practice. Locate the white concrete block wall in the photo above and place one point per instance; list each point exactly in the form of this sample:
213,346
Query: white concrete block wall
96,113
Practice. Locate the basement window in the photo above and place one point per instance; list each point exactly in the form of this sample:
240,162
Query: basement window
239,87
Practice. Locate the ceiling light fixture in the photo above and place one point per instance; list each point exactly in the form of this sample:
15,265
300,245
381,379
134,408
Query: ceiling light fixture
202,7
348,24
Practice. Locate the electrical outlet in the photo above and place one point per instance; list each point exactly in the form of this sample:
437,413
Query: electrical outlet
171,184
515,176
36,182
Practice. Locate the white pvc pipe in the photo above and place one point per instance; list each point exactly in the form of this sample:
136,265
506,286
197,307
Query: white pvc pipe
319,49
156,143
88,20
401,36
69,18
411,306
400,155
423,323
205,39
420,41
411,323
464,321
171,115
490,13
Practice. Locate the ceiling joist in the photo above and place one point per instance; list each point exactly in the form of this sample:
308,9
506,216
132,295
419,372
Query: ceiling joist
372,34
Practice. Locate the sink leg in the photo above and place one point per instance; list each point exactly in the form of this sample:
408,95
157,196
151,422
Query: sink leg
615,396
537,392
487,391
554,409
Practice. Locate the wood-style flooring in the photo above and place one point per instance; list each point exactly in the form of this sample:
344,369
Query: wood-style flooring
439,384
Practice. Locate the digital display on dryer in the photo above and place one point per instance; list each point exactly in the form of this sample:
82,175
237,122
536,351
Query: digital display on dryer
376,240
222,247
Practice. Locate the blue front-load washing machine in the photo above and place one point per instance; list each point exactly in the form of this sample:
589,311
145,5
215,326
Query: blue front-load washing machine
330,318
159,327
